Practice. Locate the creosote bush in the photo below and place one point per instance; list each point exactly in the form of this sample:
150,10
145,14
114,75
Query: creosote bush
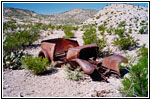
124,41
136,85
90,36
122,24
19,39
68,31
36,64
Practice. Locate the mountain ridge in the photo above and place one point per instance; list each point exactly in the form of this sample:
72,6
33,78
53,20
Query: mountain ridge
70,16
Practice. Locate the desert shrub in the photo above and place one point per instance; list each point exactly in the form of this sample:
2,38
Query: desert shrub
75,28
13,60
17,40
120,32
68,33
52,27
130,31
90,36
125,43
102,29
142,22
38,25
105,23
136,85
143,51
36,64
98,16
58,27
110,30
11,25
102,43
44,27
143,30
74,74
122,24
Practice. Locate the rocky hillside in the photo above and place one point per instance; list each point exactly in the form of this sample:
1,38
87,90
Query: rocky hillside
116,15
71,16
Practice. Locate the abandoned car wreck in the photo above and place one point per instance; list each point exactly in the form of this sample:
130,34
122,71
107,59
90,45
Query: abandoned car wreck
63,51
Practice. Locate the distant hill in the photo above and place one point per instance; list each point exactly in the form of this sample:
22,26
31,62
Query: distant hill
131,16
72,16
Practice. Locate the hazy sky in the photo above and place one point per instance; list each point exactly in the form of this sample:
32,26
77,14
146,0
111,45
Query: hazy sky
53,8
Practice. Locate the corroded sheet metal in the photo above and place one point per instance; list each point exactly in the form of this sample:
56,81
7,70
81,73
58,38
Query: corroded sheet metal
62,44
54,48
87,67
83,52
113,62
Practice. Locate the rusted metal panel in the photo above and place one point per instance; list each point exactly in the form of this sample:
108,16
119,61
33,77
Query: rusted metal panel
113,62
62,44
54,49
87,67
83,52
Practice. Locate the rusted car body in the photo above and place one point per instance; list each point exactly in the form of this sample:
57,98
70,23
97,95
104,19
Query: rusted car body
55,49
83,52
68,51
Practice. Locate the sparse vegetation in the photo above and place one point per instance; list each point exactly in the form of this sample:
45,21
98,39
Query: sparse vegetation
102,29
143,30
90,36
74,74
124,40
17,40
98,16
68,32
122,24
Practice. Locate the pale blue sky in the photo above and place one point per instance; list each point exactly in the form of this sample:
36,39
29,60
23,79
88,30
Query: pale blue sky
54,8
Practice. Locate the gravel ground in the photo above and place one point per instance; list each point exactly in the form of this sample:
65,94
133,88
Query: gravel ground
22,83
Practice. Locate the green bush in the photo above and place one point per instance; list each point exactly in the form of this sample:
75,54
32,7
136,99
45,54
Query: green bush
102,29
122,24
58,27
89,36
13,60
143,51
136,85
10,25
120,32
68,31
124,40
36,64
98,16
17,40
110,30
75,75
125,43
143,30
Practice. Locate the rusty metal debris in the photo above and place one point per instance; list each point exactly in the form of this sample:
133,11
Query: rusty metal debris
55,49
83,52
113,62
68,51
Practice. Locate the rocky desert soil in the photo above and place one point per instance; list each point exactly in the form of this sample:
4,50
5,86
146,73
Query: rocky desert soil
22,83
